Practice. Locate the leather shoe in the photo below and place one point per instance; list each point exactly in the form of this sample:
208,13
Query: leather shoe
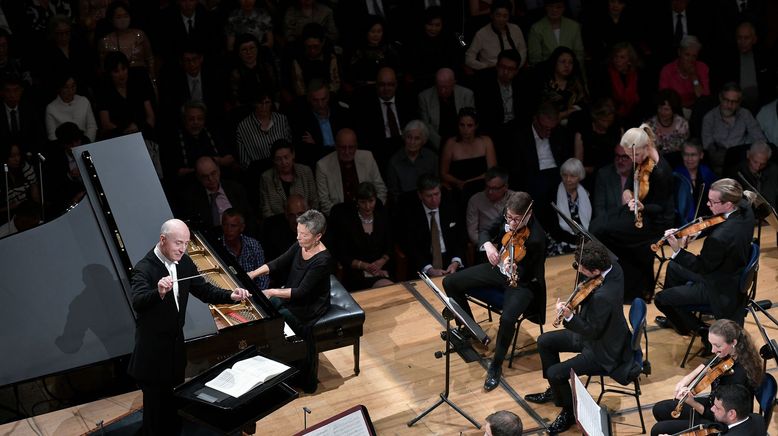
492,377
562,423
540,398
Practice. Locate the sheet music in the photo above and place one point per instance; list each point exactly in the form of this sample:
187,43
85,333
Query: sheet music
288,332
352,424
587,410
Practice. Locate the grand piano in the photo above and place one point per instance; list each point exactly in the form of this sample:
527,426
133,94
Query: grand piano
65,285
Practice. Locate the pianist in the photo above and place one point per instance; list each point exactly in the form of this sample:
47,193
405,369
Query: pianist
160,292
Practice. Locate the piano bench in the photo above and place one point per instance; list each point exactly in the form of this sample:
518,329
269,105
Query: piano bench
342,325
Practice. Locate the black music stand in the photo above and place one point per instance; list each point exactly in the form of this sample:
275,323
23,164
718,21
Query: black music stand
765,209
228,415
581,232
592,419
770,348
452,311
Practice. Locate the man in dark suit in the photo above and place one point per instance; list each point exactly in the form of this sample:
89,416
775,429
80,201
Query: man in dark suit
711,277
609,185
732,407
206,202
598,332
380,115
183,24
674,20
530,286
431,212
159,299
317,118
20,122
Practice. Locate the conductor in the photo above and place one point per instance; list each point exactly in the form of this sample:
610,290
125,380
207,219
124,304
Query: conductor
159,296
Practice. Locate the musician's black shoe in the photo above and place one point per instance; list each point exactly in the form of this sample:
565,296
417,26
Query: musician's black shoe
540,398
562,423
492,377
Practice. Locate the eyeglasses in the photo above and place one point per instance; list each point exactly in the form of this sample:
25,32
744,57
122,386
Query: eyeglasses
512,219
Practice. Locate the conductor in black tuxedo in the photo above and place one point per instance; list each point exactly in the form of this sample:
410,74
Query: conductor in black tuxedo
424,216
598,332
711,277
159,299
530,286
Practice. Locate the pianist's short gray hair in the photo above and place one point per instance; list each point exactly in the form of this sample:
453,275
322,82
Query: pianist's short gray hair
314,221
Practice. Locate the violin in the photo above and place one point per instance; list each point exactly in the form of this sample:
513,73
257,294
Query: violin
691,228
581,292
702,430
641,186
713,370
513,249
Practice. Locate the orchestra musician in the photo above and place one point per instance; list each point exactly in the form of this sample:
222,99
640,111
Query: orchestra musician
598,332
629,230
530,286
711,277
161,284
728,339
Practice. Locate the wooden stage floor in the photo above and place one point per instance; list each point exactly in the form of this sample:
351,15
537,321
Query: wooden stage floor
401,377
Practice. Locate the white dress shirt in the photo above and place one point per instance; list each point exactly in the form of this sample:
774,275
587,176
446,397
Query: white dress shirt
171,268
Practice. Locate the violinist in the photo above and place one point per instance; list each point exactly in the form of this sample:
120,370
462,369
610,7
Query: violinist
630,229
732,405
728,339
598,332
711,277
522,233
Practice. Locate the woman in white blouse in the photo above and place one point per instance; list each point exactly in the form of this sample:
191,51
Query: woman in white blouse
69,106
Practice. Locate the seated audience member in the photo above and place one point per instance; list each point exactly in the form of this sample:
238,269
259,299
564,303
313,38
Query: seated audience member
314,59
427,230
466,157
440,104
125,100
607,24
503,423
495,37
245,249
22,181
686,75
430,48
552,31
248,19
768,121
758,170
255,70
21,122
669,125
301,13
361,241
67,50
623,81
374,51
286,178
187,23
573,200
594,133
259,131
728,125
316,120
65,186
559,80
339,173
732,405
410,162
279,231
204,204
699,177
502,102
131,41
69,106
485,207
12,67
611,181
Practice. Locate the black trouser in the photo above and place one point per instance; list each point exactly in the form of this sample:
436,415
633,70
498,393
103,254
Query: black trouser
486,276
309,371
679,293
666,424
550,344
160,416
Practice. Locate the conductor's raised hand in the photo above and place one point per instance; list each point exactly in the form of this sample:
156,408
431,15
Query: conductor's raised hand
164,285
240,294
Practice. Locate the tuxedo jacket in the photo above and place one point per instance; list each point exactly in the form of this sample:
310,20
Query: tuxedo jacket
429,109
414,232
159,355
369,117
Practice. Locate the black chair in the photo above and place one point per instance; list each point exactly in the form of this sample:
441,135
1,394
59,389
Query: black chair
747,288
637,320
492,300
342,325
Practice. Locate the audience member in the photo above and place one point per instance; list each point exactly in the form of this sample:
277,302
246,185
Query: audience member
610,23
339,173
432,46
573,200
304,12
440,104
674,21
185,23
758,170
686,75
131,41
594,133
259,131
248,19
285,179
68,106
410,162
125,103
316,120
205,204
552,31
485,207
64,184
11,67
669,125
21,121
22,181
373,52
768,121
495,37
246,250
280,231
255,70
66,53
699,177
611,181
624,81
559,80
314,59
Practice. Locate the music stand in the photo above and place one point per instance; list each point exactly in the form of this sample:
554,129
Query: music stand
453,311
771,344
592,419
580,231
761,203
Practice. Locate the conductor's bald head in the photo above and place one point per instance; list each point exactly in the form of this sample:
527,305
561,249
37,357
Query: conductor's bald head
173,239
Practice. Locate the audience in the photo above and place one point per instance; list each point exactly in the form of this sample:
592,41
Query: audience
259,130
314,59
410,162
440,104
686,75
495,37
245,249
69,106
669,125
285,179
698,177
552,31
486,206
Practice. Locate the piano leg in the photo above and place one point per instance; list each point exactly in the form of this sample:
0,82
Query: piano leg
356,357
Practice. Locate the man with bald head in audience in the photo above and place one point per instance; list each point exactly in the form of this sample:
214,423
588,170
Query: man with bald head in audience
440,104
